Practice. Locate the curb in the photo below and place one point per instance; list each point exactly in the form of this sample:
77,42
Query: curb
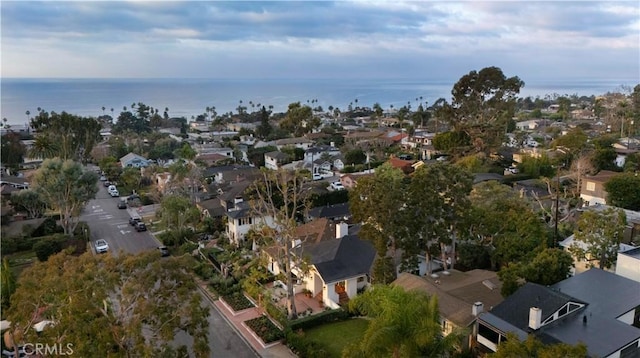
229,323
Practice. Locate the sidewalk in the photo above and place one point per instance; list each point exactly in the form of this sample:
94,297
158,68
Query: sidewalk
278,350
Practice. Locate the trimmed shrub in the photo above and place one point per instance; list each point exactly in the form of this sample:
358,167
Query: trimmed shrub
265,329
320,319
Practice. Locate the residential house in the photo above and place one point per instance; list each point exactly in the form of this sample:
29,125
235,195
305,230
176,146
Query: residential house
340,266
373,138
134,160
335,212
322,166
592,191
338,162
211,159
623,153
462,296
628,264
231,174
582,265
199,126
274,160
237,126
404,165
241,217
16,182
528,125
351,180
299,142
313,153
597,308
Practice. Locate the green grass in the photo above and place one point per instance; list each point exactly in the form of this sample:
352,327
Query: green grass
334,337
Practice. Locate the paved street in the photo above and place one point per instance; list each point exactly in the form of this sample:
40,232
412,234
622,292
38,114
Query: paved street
112,224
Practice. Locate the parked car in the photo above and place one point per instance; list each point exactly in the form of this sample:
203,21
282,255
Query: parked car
164,251
114,193
140,226
134,221
122,204
106,184
101,246
336,185
317,177
103,178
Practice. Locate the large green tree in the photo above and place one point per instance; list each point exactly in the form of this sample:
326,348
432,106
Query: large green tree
178,213
65,135
483,102
129,306
12,151
624,191
505,222
437,200
66,187
598,235
29,201
297,120
403,324
375,202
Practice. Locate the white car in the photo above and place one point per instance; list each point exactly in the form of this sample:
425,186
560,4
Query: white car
114,193
317,177
336,185
101,246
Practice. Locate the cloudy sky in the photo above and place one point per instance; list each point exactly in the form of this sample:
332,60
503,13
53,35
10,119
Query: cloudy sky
320,39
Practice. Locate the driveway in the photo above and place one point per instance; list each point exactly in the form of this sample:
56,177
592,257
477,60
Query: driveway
112,224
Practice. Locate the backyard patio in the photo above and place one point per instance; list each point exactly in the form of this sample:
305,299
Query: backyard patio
303,303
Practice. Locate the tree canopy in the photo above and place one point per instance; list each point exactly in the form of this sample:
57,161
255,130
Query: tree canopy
532,347
122,307
598,235
623,191
483,102
403,324
66,187
64,135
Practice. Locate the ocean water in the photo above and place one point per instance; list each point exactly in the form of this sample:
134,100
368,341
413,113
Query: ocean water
190,97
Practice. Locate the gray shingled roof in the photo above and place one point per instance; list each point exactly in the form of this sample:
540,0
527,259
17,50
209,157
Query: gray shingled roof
340,259
330,211
607,297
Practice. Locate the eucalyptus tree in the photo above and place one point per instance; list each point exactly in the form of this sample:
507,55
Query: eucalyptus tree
64,135
128,306
483,103
282,196
66,187
437,201
375,202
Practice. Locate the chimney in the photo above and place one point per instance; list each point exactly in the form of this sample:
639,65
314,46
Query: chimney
342,230
477,308
535,318
237,200
333,144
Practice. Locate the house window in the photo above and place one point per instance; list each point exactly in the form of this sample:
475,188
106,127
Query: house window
489,334
591,186
630,351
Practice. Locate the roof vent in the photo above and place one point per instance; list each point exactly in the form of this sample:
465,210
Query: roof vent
490,285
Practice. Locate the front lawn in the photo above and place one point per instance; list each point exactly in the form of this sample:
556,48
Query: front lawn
333,337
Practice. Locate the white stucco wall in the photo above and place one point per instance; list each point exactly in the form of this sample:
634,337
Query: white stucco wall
629,267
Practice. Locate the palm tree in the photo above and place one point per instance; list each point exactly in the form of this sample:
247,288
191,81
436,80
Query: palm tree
43,147
403,324
27,113
103,108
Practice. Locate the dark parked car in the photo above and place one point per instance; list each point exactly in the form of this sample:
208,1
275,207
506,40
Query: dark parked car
140,226
122,204
164,251
106,184
134,221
